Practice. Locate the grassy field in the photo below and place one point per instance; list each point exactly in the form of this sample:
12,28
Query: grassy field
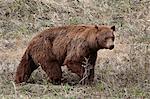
123,73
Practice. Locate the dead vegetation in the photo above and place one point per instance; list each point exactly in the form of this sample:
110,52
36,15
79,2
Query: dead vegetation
121,73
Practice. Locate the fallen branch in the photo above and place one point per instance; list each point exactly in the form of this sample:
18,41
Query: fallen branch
87,66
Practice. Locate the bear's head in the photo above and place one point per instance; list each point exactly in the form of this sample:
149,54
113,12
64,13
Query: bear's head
105,37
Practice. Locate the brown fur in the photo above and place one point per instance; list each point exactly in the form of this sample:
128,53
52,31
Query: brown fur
67,45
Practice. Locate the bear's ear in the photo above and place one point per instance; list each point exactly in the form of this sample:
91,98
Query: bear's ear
113,28
96,26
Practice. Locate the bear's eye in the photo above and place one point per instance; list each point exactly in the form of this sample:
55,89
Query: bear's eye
106,38
113,38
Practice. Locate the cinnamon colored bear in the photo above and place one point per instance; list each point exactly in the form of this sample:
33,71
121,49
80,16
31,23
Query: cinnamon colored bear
66,45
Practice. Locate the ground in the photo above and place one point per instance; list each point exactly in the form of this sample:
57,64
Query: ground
123,72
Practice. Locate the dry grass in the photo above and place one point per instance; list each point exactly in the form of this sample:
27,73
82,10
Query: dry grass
121,73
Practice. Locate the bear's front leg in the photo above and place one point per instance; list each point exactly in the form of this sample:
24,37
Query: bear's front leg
75,61
81,71
76,67
92,61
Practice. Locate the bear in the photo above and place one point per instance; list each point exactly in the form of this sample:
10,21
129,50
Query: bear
65,45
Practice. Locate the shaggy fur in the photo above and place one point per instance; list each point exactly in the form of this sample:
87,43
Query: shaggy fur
67,45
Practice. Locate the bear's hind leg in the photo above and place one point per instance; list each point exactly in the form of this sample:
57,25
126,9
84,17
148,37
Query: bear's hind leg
54,72
25,68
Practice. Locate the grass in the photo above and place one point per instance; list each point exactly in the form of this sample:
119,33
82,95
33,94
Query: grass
121,73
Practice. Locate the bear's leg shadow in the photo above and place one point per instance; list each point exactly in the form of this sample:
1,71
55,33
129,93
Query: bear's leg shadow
25,68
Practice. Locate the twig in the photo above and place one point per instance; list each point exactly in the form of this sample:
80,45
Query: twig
87,66
14,88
